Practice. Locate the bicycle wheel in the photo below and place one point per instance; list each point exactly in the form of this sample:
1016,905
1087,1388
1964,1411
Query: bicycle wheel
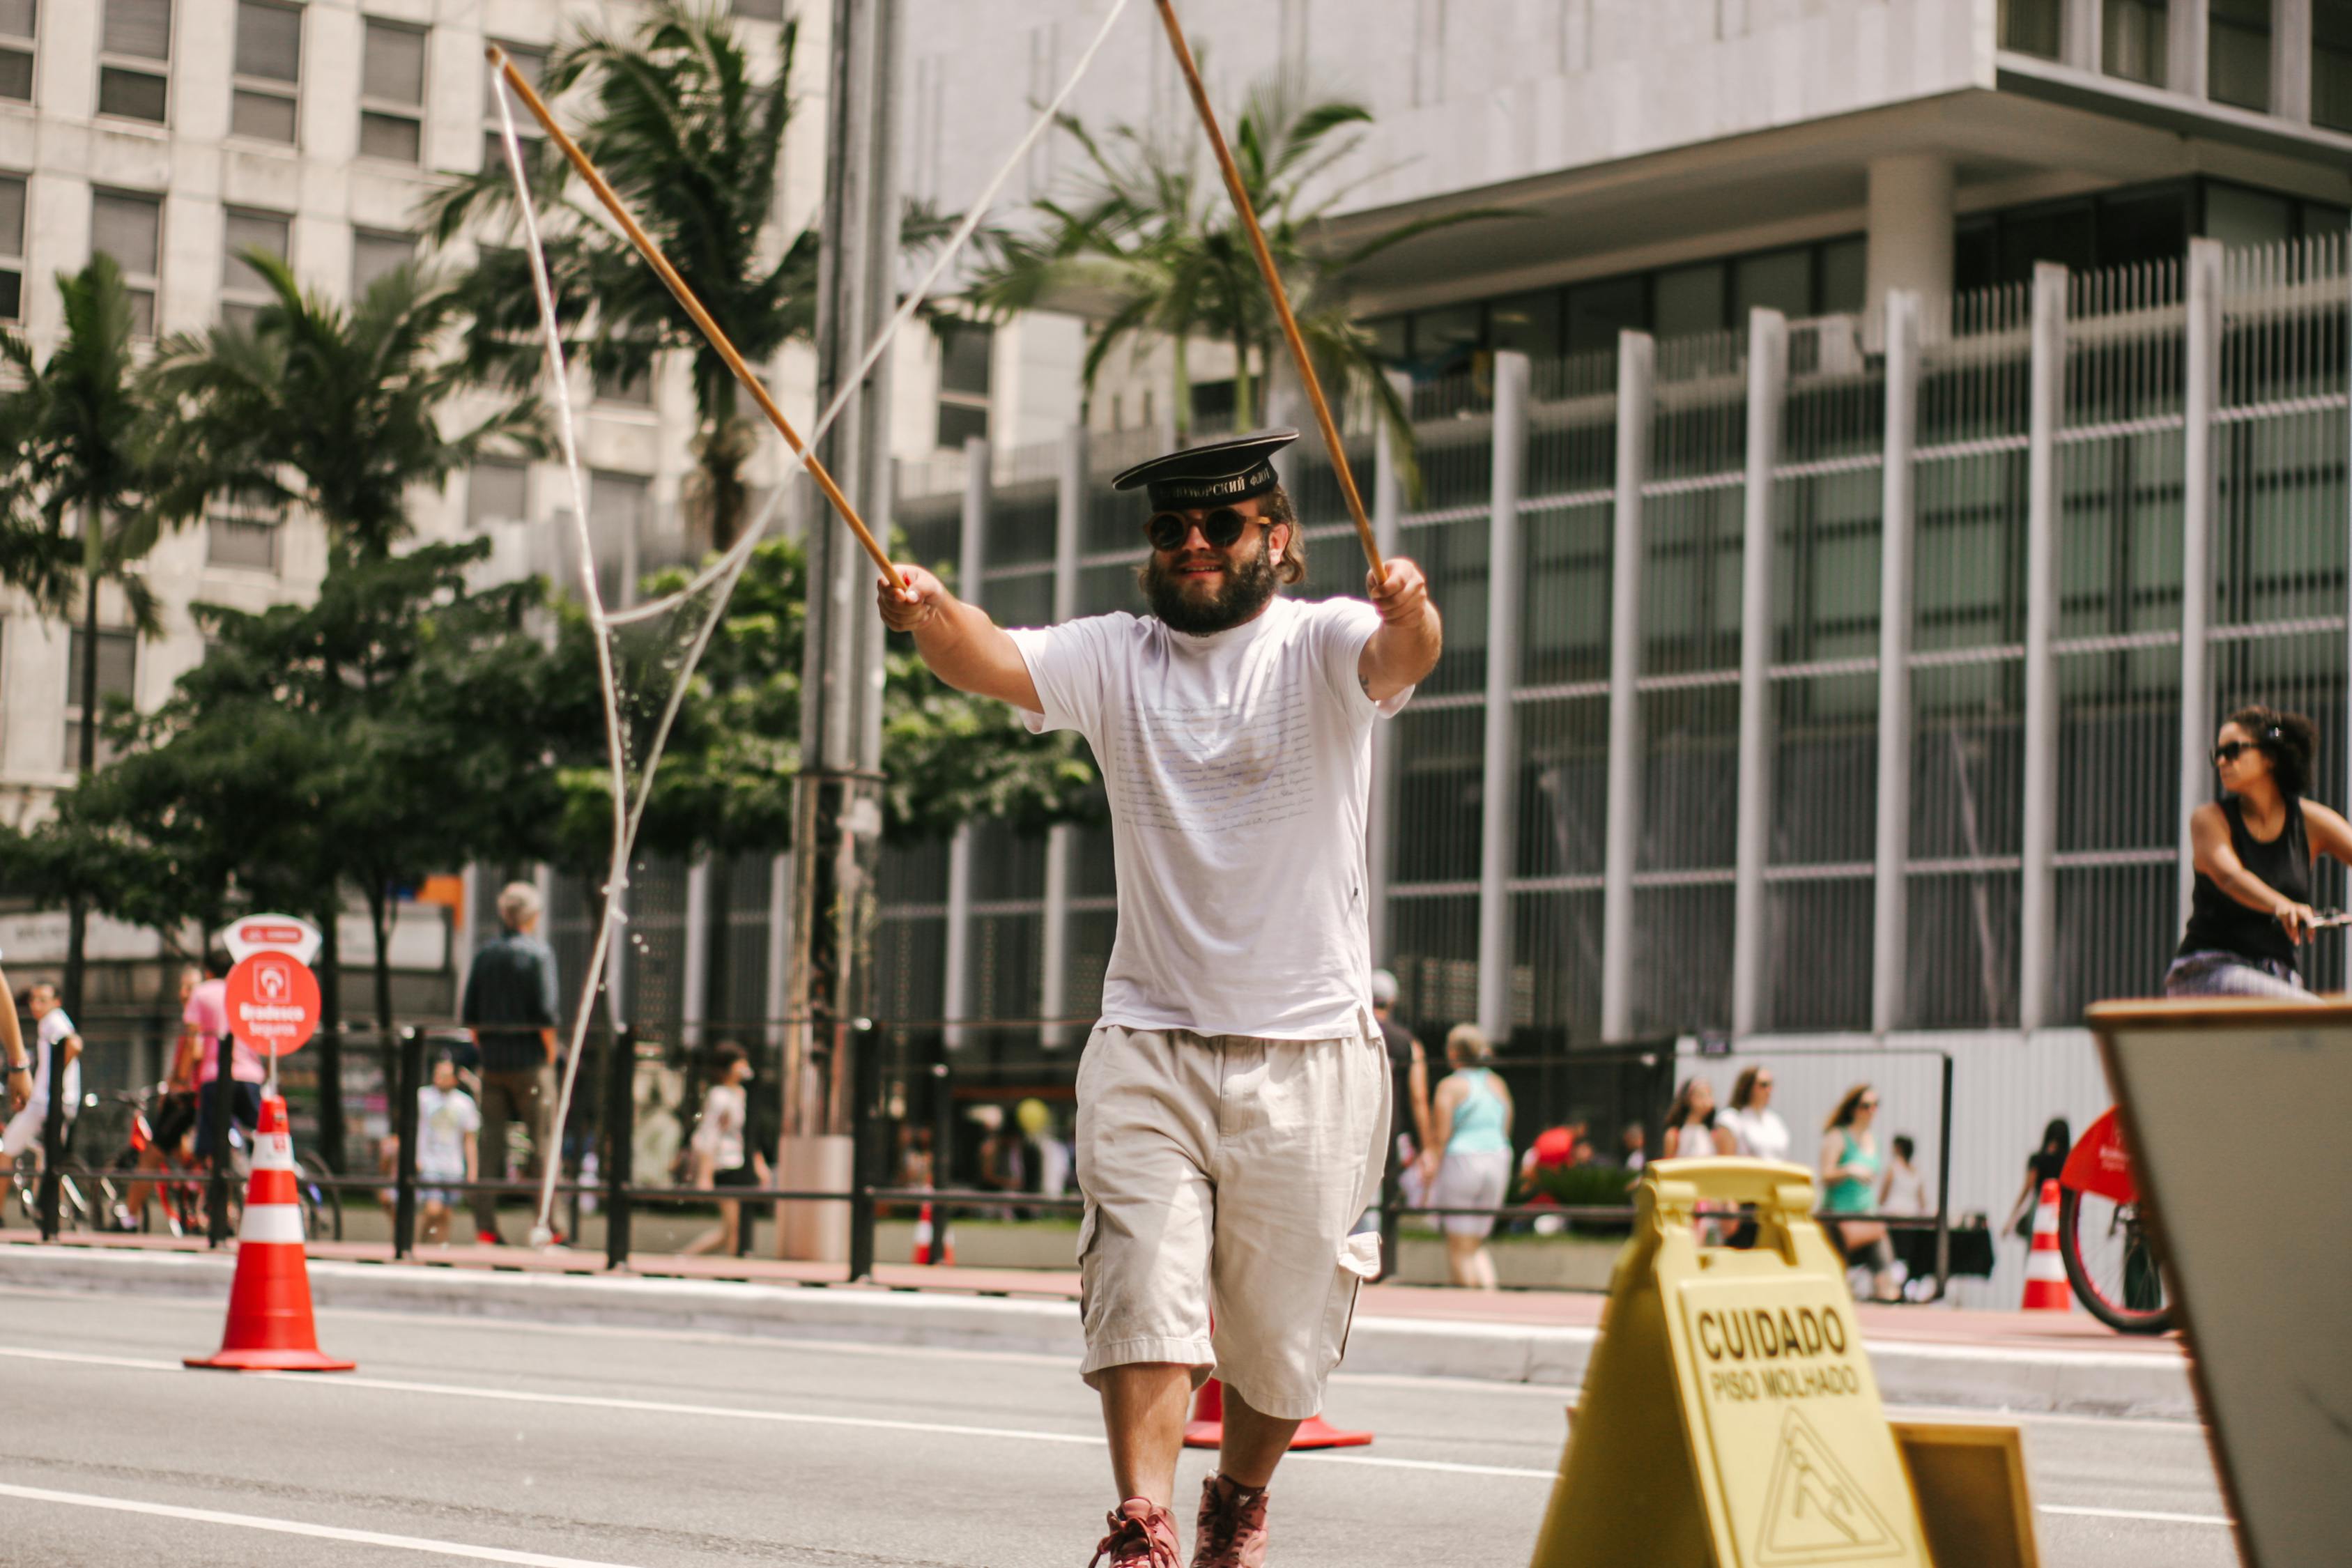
322,1204
2110,1256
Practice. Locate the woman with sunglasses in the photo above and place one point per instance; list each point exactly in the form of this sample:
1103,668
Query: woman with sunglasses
2254,851
1850,1168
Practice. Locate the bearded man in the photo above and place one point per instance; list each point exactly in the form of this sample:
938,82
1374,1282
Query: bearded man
1233,1098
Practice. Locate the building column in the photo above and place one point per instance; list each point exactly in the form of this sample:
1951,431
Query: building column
1891,904
780,946
2200,498
1768,394
2038,898
1910,242
2184,47
971,563
2291,60
468,939
1061,840
694,1003
1499,831
1379,817
1636,375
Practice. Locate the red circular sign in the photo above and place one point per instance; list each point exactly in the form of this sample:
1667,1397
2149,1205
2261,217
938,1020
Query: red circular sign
273,1003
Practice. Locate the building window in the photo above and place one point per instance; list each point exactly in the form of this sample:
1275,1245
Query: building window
530,63
12,247
2238,53
244,290
130,229
2331,63
242,538
619,505
2132,40
16,20
392,93
966,354
118,673
134,60
496,493
2031,27
760,10
268,71
628,391
375,255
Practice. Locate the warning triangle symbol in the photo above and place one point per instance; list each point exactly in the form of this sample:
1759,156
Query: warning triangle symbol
1815,1511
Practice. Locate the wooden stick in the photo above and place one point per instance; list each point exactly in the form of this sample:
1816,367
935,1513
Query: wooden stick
710,329
1273,285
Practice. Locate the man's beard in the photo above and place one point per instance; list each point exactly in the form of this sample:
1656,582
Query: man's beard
1248,587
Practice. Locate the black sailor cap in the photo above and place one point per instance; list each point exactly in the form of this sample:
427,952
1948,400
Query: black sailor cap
1217,474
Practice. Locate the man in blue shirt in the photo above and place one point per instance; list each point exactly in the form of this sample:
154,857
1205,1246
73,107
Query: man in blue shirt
510,1006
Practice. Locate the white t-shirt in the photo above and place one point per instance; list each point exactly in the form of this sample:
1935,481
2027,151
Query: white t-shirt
719,1134
444,1117
1906,1192
1760,1133
1239,768
53,1032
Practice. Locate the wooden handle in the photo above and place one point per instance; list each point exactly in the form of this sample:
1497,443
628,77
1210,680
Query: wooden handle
1273,285
710,328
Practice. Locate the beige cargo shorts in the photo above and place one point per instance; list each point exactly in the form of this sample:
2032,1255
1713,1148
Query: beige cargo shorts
1225,1172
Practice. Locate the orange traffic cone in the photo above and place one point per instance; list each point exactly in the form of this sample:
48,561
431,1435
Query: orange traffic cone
270,1327
2046,1289
926,1249
1207,1428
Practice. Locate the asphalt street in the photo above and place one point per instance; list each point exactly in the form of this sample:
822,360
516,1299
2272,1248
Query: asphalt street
470,1441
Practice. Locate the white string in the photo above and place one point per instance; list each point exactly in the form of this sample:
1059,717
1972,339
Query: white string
629,810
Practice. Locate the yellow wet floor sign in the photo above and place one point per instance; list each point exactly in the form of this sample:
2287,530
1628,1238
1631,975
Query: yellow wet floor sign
1729,1418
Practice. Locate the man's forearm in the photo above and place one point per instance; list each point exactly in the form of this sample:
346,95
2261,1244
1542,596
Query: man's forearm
1403,653
952,644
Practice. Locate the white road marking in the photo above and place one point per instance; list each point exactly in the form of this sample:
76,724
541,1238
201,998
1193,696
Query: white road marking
938,1428
301,1527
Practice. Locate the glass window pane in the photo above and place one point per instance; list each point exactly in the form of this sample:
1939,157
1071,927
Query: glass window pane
1445,339
760,10
12,295
117,659
2030,27
269,41
142,312
960,423
2149,226
1597,312
2331,63
496,493
2238,53
17,74
1844,275
1388,338
394,66
17,18
1529,323
531,62
389,136
2236,215
965,353
11,216
2133,40
129,229
2068,235
1781,280
1689,300
132,95
375,255
140,28
264,116
241,543
243,232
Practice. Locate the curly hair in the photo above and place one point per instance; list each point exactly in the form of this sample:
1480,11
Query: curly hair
1293,570
2288,740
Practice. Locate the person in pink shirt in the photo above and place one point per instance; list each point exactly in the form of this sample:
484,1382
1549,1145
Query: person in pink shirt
206,1018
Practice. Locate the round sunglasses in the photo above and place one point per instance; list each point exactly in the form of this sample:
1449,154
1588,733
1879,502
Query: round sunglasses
1169,530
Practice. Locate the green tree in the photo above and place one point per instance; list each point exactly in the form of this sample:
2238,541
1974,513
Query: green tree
1150,243
76,477
689,129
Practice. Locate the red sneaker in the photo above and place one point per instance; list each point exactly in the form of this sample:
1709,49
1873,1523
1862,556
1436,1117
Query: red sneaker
1233,1526
489,1238
1141,1532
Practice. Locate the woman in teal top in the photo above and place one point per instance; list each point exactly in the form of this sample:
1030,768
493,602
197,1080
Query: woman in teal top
1850,1168
1470,1152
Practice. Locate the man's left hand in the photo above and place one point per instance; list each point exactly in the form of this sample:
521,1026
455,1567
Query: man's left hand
1400,596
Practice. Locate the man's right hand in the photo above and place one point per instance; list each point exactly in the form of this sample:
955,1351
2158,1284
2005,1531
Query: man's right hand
916,604
20,1089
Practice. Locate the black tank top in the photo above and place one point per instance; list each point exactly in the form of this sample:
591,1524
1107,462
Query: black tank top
2218,923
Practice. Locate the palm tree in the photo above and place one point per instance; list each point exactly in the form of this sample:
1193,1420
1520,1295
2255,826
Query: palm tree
76,479
340,413
1151,243
690,134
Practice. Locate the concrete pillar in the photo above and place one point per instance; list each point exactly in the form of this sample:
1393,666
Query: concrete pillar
1061,841
694,1004
1910,244
2184,47
1890,955
1498,791
2038,898
971,561
1388,519
1768,394
1637,355
780,945
2199,499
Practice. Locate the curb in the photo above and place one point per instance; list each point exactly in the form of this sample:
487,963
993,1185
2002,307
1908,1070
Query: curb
2135,1385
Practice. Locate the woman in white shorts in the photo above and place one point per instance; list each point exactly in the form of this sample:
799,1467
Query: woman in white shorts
1470,1151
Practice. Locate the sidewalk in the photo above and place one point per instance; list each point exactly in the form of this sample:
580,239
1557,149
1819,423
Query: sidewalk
1923,1355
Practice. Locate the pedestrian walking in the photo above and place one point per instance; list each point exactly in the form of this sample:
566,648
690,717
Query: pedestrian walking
20,1067
510,1006
2046,1164
1408,1098
1756,1129
2251,905
1232,1100
55,1041
1903,1191
1851,1171
720,1155
204,1022
1469,1154
448,1146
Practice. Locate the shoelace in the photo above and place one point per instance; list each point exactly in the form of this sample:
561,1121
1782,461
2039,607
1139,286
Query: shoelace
1225,1522
1128,1532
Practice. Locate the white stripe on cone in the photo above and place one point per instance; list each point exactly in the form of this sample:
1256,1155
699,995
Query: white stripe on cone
2045,1266
272,1223
274,1151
